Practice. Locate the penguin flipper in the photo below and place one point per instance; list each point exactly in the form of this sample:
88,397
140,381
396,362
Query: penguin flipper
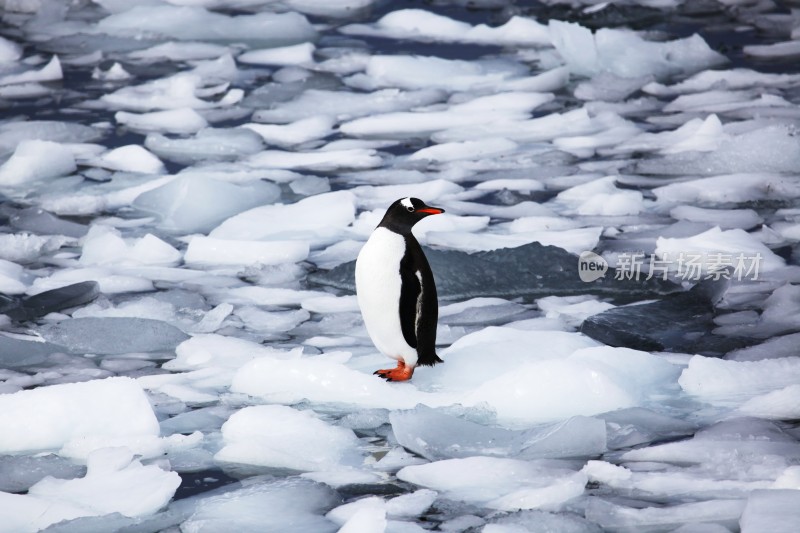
409,302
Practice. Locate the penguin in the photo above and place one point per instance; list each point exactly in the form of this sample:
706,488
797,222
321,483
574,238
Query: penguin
396,291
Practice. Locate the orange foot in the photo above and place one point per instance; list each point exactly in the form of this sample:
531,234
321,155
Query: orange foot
400,373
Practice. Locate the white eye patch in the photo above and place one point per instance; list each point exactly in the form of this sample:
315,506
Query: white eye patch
406,202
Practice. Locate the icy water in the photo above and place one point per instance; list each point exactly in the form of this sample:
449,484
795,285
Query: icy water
184,187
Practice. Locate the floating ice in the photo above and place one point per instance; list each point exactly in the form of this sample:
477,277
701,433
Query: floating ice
271,321
330,8
103,245
502,108
469,365
601,197
724,218
783,346
13,132
780,404
732,79
180,120
771,510
19,473
11,278
403,507
286,55
41,222
108,281
280,437
181,90
784,48
50,72
464,150
724,101
696,135
35,160
114,483
313,217
321,381
9,51
210,251
527,522
577,122
115,72
298,132
114,407
217,352
418,24
779,315
130,158
190,204
484,311
572,309
180,51
588,382
579,384
334,160
635,426
426,72
436,435
292,505
195,23
343,105
718,248
502,484
216,144
625,54
728,189
770,149
27,248
112,335
609,87
726,381
609,516
727,459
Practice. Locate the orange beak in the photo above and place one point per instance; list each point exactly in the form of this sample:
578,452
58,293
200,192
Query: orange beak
431,210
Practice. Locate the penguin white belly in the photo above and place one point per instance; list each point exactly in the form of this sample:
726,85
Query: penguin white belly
378,291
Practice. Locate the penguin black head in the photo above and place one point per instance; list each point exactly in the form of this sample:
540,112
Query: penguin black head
405,212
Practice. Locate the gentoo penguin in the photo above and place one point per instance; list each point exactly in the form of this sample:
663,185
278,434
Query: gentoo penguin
396,291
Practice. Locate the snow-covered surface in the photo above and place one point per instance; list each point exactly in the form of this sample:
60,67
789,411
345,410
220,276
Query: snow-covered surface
185,184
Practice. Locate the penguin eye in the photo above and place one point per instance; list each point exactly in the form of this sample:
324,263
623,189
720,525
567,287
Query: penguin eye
410,209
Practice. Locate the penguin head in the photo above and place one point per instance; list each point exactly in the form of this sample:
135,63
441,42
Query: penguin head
405,212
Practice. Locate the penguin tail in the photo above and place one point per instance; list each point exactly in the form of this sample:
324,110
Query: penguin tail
429,359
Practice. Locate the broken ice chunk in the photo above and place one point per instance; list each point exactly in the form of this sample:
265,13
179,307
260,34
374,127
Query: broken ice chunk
36,160
112,335
625,54
215,144
436,435
196,23
196,204
777,511
181,120
502,484
280,437
48,417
